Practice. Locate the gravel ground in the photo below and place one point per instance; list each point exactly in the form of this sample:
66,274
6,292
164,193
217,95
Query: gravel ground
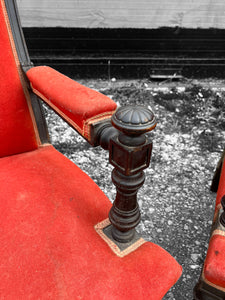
176,203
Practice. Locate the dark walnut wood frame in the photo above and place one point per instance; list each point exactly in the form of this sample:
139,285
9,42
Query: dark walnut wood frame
124,137
204,291
130,153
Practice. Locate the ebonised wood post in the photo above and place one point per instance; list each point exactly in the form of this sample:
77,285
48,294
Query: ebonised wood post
129,153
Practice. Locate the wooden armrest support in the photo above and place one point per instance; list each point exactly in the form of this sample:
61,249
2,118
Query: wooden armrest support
130,153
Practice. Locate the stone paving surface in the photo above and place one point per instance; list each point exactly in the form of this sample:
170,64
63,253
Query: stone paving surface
176,203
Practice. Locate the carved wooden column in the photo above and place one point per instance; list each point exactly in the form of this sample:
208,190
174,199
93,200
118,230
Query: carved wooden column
129,153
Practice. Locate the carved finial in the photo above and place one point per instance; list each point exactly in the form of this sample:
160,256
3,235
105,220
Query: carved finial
134,120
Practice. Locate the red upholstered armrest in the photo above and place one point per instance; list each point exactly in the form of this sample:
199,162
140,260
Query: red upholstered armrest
78,105
214,267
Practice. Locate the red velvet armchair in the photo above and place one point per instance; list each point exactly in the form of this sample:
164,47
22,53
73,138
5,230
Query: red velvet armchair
53,216
211,285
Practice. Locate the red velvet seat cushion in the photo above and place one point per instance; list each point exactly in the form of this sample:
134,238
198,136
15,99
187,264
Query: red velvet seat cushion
17,133
214,268
49,247
79,105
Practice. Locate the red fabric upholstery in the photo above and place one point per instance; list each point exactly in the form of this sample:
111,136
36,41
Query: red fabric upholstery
214,266
17,132
79,105
49,247
214,269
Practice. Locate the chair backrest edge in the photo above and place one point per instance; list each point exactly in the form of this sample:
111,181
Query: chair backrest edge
23,55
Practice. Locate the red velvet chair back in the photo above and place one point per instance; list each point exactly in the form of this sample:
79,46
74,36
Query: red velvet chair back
18,131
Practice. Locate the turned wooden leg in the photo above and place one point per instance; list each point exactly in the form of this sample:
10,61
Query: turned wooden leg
129,153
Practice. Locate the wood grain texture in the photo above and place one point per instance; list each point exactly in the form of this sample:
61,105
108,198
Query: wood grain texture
122,14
